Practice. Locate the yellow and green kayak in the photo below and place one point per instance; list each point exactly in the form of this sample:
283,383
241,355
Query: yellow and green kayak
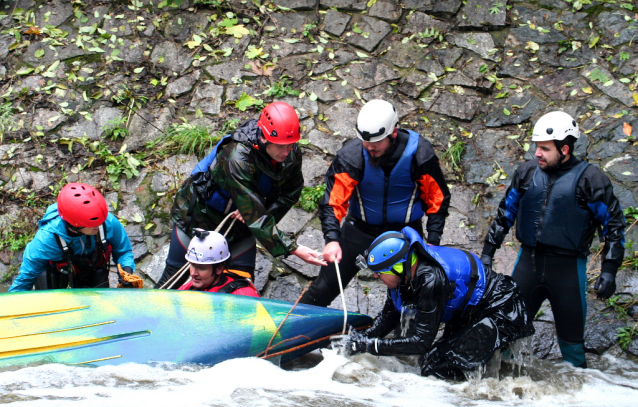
113,326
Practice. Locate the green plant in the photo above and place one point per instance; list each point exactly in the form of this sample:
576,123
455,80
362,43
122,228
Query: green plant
431,33
626,335
124,163
15,236
130,99
453,154
6,119
496,8
187,138
307,28
310,197
115,129
282,88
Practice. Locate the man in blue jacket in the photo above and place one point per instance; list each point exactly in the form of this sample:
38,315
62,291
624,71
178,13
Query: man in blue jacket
74,244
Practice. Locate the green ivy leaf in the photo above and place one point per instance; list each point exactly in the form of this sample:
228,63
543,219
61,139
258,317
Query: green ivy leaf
245,101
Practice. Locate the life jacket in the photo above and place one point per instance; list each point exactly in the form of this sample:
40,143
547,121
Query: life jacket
220,199
549,213
463,269
232,284
400,203
75,266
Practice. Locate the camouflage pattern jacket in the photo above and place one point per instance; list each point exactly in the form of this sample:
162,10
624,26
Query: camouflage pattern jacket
240,170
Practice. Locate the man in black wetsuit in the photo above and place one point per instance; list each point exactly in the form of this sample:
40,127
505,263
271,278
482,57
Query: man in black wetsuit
558,202
483,311
386,179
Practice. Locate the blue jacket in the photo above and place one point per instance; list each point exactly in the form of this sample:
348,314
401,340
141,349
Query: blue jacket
44,247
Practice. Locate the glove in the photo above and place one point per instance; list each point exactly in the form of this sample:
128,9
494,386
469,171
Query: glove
355,343
434,238
605,285
486,259
126,283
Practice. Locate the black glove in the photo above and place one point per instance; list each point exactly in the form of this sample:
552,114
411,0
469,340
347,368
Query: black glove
355,343
434,238
605,285
486,259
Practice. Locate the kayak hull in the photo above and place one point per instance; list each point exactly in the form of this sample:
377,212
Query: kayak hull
114,326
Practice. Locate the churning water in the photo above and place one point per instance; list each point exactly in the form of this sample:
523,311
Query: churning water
323,379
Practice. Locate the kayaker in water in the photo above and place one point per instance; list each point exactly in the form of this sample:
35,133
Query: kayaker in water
483,311
558,202
207,254
255,176
74,243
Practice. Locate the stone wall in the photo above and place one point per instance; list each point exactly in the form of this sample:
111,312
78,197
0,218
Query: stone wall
478,72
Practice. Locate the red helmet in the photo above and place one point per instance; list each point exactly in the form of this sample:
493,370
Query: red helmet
81,205
279,123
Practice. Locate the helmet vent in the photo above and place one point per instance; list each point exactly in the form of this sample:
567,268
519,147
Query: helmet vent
77,195
86,202
94,218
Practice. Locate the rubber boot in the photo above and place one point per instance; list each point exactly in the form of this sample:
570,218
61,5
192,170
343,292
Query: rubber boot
573,353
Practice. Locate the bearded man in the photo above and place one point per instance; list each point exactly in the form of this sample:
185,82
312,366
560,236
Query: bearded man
386,179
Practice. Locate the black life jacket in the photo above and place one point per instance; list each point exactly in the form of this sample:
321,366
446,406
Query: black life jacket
549,213
76,267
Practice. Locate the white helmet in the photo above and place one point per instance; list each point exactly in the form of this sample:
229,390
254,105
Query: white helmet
376,121
555,126
207,247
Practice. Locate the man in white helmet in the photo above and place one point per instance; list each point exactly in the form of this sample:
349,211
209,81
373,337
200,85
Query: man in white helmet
207,255
386,179
557,202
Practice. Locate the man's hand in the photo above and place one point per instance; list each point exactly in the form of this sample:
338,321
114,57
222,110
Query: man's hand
236,215
309,256
332,252
355,343
605,285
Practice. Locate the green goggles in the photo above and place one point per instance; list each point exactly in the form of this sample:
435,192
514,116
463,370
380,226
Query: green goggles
398,268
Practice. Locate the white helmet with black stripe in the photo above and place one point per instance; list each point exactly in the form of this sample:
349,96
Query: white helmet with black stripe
376,121
555,126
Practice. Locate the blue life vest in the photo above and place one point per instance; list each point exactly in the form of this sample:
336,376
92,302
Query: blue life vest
400,203
220,199
549,212
459,266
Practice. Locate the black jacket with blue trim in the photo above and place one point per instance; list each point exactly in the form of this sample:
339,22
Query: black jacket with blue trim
594,190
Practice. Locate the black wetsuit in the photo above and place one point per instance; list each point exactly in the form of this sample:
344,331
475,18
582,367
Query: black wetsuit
469,339
558,273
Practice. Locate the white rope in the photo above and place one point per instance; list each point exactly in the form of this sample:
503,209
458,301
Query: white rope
343,298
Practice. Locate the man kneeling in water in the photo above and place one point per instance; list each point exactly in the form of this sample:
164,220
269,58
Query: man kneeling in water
207,255
482,310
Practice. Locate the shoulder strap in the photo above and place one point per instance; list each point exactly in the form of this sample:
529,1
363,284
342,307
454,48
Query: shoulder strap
234,285
67,252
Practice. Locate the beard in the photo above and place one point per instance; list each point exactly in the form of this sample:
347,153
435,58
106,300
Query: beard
383,158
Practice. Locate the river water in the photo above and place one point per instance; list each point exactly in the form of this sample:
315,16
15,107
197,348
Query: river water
323,379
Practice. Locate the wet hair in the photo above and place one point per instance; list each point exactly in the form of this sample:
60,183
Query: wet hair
567,141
